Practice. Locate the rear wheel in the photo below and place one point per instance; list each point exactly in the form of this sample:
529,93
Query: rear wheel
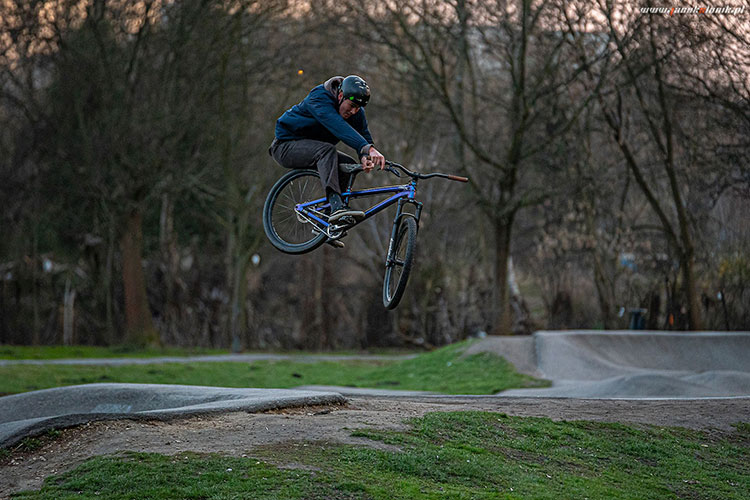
288,229
399,262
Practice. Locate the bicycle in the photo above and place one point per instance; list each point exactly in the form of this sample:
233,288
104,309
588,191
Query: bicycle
295,218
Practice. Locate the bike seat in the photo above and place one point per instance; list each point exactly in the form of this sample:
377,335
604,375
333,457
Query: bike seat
350,168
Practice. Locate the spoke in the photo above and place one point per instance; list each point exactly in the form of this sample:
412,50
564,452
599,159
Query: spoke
288,222
281,221
289,193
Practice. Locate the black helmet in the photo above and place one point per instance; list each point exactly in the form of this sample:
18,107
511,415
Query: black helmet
355,89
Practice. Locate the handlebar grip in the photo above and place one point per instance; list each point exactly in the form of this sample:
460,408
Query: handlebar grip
458,178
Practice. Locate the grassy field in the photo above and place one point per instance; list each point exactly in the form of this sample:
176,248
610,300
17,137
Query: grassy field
463,455
443,370
86,351
125,351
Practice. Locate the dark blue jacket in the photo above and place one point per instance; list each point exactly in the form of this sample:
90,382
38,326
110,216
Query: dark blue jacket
317,117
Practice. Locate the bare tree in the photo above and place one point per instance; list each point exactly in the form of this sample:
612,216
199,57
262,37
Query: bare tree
651,118
134,88
496,70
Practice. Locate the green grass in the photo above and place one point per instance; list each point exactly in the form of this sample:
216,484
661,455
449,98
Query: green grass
185,476
83,351
446,370
461,455
443,370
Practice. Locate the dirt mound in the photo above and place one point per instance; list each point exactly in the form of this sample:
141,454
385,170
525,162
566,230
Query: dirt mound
30,413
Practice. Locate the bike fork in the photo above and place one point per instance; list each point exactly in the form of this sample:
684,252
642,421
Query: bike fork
389,258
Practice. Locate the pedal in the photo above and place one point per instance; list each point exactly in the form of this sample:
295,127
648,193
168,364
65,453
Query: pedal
345,221
336,243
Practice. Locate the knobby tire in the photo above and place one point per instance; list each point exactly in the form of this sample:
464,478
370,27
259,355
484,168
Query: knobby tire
402,252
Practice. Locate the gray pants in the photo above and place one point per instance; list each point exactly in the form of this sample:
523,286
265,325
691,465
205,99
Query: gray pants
308,153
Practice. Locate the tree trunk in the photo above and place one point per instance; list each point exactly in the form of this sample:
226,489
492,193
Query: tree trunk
69,299
522,324
686,240
309,298
109,303
237,314
4,337
691,294
35,264
327,285
171,259
238,264
604,289
501,317
138,321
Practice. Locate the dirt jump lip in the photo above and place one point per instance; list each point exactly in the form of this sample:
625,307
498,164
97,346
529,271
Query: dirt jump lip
27,414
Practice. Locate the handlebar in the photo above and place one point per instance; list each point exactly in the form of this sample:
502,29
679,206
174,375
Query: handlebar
392,166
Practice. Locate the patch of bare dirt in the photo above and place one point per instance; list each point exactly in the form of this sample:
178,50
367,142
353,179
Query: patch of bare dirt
239,433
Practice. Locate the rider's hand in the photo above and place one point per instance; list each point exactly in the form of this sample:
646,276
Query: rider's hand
367,164
376,158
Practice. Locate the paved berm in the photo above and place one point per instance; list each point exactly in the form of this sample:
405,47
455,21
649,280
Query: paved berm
696,380
629,364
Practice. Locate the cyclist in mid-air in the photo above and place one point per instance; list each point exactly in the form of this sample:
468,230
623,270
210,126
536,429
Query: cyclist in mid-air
307,134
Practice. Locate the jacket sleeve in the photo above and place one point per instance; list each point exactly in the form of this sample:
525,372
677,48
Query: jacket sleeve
365,131
323,110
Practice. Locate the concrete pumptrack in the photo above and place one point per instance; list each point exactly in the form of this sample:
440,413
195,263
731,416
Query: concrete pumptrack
629,364
580,364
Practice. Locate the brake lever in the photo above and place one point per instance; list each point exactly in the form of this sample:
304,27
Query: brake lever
393,171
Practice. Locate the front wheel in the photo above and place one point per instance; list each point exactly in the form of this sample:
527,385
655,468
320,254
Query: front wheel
399,262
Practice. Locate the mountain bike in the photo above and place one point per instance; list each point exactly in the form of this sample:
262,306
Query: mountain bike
295,218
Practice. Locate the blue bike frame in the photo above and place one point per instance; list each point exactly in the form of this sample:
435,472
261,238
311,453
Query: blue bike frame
404,193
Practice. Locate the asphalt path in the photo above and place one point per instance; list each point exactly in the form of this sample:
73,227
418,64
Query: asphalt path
209,358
